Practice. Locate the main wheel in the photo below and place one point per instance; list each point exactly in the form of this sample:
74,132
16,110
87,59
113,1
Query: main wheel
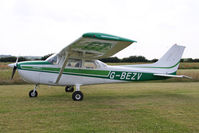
69,89
77,96
33,94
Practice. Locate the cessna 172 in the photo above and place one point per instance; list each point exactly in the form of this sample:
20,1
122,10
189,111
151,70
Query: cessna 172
77,64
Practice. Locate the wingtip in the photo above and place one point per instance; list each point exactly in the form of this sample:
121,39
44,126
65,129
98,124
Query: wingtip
105,36
179,45
188,77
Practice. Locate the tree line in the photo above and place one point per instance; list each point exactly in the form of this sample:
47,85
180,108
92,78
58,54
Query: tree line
140,59
14,58
106,60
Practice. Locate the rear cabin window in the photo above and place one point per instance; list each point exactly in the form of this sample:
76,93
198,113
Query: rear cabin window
90,64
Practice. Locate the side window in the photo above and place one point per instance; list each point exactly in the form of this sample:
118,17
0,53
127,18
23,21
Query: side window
74,63
90,64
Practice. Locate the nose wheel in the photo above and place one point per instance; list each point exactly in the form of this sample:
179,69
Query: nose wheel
33,93
77,95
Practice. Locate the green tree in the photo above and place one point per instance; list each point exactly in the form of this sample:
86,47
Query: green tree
46,56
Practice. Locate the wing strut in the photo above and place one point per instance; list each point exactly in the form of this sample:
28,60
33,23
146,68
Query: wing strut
62,69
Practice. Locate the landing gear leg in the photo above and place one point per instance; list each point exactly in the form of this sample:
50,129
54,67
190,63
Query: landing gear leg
69,88
77,95
33,93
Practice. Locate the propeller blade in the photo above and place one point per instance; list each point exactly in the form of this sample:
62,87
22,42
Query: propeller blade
13,71
14,68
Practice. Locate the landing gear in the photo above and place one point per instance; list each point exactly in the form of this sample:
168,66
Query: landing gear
69,89
33,93
77,95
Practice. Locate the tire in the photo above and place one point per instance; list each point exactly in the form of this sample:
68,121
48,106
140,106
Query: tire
32,94
77,96
69,89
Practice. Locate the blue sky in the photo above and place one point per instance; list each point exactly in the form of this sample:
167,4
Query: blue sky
39,27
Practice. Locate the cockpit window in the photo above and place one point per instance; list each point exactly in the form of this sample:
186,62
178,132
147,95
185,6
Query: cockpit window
78,63
54,59
74,63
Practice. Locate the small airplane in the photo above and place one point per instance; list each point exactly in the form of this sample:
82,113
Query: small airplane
77,64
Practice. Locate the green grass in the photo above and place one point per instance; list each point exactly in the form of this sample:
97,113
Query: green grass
5,75
5,78
194,73
148,107
111,108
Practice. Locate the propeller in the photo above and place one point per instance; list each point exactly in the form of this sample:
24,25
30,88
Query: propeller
14,68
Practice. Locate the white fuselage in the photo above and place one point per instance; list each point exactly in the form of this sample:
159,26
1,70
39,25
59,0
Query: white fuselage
48,73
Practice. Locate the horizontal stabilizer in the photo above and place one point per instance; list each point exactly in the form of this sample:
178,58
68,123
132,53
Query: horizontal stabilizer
172,76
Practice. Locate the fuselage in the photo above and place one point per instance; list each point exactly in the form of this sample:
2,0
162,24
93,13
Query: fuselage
43,72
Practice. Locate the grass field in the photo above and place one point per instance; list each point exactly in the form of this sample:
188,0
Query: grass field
113,108
170,106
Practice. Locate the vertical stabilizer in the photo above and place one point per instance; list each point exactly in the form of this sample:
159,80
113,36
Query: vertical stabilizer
171,57
171,61
168,63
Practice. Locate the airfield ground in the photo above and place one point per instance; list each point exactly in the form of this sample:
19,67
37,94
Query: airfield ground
114,108
170,106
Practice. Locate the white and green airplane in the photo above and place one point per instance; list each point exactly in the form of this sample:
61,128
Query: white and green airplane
77,64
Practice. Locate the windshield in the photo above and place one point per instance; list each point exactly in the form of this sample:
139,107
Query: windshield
53,59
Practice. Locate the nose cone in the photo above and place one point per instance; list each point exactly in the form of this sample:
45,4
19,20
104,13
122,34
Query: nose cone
11,65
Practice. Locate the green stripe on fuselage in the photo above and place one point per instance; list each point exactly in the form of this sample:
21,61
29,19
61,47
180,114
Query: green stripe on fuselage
100,73
113,75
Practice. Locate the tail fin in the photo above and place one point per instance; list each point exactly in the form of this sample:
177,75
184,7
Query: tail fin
171,58
168,63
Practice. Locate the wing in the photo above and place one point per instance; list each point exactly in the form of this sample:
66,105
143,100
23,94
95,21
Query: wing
95,46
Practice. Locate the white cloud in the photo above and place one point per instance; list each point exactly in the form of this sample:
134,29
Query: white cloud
40,27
